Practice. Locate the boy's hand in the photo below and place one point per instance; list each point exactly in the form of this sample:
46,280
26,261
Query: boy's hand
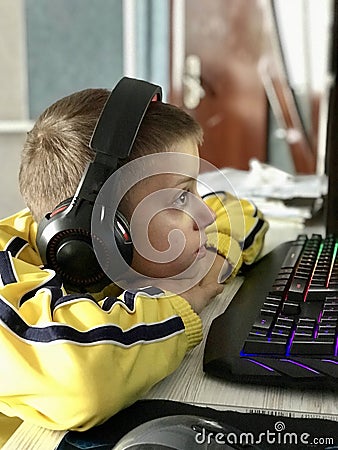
203,289
200,295
219,267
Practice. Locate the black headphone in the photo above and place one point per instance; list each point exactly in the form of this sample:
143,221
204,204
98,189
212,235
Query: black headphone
64,237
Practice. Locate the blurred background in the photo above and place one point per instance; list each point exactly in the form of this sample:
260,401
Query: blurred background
255,73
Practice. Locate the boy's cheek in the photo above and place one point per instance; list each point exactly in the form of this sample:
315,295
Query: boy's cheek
151,269
167,244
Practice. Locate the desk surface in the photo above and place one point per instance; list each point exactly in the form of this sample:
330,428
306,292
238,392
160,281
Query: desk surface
190,384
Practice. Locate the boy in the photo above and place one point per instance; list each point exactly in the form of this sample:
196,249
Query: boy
74,359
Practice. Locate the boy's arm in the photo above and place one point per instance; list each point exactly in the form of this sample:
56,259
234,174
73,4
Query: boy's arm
238,232
72,362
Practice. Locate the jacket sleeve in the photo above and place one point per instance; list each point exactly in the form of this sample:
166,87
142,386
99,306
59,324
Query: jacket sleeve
72,361
238,232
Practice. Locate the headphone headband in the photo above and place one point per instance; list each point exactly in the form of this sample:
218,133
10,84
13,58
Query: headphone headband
115,131
118,124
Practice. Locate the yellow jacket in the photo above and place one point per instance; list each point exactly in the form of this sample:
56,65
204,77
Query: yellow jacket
70,361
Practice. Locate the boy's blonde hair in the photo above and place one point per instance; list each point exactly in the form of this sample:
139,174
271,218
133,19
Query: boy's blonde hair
56,151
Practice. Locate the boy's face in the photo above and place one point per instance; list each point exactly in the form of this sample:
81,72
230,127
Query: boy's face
168,219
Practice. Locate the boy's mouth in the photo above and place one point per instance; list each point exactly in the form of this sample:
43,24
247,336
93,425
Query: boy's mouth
201,252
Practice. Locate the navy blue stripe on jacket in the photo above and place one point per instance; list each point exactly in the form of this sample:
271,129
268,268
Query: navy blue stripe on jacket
16,245
61,300
7,272
253,233
141,333
53,284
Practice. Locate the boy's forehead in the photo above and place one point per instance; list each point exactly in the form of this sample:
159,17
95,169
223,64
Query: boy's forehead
174,163
167,180
169,171
179,163
175,168
151,172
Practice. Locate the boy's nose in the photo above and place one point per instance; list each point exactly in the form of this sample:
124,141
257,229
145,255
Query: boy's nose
204,215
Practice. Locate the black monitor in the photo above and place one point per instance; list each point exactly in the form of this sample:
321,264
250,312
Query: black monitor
332,132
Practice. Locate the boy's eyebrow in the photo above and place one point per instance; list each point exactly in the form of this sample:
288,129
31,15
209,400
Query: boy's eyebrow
183,179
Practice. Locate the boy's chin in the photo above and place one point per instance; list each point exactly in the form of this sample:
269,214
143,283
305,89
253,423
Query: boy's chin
179,271
184,278
177,278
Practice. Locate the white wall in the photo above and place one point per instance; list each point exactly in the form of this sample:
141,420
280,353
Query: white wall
44,55
13,102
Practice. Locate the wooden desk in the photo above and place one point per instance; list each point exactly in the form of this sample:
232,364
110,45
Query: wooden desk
190,384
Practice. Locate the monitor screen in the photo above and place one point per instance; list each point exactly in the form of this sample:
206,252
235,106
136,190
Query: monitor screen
332,131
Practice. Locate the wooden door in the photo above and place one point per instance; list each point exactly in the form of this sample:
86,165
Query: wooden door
226,38
229,51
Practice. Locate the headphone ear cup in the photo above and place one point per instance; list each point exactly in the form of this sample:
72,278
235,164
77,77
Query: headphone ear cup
123,237
65,245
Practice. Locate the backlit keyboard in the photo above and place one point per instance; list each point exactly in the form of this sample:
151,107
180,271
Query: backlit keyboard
282,325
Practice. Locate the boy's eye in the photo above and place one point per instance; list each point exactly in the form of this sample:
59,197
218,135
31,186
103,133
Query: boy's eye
182,199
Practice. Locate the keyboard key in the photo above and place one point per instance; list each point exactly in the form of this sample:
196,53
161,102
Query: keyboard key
327,329
258,332
292,256
330,308
303,332
291,308
265,345
278,289
267,310
319,294
311,310
284,323
285,320
331,301
280,331
305,328
310,346
297,289
273,299
326,316
271,305
325,337
285,272
263,322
